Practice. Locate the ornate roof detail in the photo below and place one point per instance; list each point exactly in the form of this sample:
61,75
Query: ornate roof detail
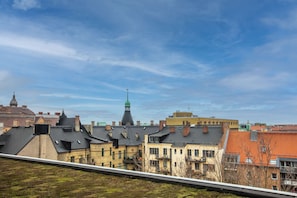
13,101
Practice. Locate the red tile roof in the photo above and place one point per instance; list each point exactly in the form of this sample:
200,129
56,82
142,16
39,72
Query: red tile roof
278,144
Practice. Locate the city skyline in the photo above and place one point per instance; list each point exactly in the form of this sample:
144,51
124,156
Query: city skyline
228,59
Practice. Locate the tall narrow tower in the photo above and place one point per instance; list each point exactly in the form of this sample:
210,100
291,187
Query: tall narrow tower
127,117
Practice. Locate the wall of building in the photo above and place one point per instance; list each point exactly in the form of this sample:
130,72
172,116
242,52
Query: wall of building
40,146
77,156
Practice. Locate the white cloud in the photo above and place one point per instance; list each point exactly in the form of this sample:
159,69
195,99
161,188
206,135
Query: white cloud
25,4
254,81
38,45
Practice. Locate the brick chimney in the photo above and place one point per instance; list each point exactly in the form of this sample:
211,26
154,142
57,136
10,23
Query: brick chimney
186,131
162,124
77,123
113,123
205,129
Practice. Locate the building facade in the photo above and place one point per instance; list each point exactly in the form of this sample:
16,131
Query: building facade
181,118
186,151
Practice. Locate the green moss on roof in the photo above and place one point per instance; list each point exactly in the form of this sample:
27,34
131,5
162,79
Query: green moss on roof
25,179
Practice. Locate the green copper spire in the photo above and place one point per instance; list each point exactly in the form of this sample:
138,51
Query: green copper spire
127,103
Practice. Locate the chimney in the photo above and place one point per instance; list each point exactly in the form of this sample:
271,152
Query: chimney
172,129
113,123
48,113
205,129
152,122
24,106
107,128
162,124
138,123
77,123
92,127
57,113
120,123
40,112
186,131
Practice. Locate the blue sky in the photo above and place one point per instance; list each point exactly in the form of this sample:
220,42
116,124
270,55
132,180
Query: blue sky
225,58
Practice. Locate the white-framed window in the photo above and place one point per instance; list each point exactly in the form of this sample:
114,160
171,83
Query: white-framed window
273,176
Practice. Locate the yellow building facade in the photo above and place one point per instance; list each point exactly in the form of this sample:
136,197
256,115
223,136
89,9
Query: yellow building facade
183,118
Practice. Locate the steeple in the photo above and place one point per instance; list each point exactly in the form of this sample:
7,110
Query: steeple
127,103
13,102
127,117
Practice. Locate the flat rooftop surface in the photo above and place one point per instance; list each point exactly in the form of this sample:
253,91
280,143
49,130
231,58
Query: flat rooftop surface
27,179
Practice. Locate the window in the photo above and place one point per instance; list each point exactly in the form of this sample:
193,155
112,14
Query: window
181,151
110,151
120,154
274,187
196,152
208,153
174,164
174,151
102,152
102,164
154,151
196,166
189,152
154,163
164,151
113,155
274,176
72,159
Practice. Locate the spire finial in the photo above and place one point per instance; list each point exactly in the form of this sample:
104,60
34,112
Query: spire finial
127,95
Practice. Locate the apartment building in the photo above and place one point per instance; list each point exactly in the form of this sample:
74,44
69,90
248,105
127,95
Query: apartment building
125,150
186,151
262,159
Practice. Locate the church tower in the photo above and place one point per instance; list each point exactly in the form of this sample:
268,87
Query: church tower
127,117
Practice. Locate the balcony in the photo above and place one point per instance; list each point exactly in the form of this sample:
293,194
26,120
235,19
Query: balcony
195,159
163,157
290,182
288,169
132,160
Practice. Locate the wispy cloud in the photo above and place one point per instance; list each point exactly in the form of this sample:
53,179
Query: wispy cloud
42,46
25,4
72,96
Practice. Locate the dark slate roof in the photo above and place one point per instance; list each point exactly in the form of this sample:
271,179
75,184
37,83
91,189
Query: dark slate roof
195,136
127,118
64,138
126,135
15,139
78,140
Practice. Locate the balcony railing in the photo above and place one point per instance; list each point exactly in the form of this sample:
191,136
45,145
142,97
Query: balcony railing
288,169
195,159
290,182
163,157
